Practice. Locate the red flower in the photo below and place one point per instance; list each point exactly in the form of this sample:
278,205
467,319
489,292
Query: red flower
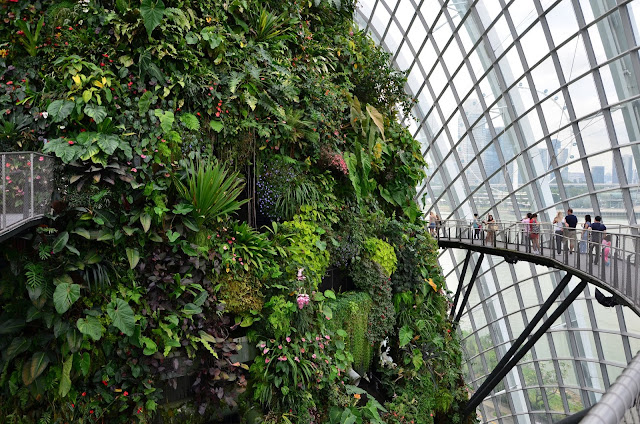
91,411
70,28
104,382
84,394
20,32
70,142
126,393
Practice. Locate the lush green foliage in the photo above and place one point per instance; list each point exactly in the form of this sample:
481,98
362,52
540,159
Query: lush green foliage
174,123
351,314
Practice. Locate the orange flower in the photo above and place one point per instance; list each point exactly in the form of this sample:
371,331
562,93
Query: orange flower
357,396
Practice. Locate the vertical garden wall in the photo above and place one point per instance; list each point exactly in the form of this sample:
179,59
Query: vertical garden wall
217,162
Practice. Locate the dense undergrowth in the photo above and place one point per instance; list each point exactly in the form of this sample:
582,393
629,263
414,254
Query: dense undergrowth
180,127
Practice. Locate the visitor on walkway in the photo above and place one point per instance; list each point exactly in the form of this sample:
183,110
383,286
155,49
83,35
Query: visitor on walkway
606,244
535,233
597,232
432,224
525,228
492,228
440,225
558,229
584,238
477,226
571,222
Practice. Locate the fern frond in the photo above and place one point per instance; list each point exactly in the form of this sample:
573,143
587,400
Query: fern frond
35,275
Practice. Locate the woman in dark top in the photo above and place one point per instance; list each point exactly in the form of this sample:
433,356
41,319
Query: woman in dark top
584,239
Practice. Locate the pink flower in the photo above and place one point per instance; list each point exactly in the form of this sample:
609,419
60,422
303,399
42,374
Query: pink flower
266,360
303,340
279,346
317,338
313,356
288,339
134,170
296,359
302,350
327,337
282,358
70,142
8,165
143,156
41,158
266,349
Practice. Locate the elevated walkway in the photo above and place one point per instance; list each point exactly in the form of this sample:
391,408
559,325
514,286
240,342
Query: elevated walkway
26,184
621,277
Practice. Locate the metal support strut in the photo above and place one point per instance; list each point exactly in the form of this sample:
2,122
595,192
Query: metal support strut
464,272
499,372
467,293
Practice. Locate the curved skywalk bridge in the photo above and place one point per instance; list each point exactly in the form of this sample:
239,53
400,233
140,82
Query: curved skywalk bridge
26,184
621,277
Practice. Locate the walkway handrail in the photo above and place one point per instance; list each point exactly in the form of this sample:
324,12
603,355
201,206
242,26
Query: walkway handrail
623,395
26,186
609,259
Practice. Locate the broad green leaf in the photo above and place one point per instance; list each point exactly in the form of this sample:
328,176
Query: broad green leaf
82,232
60,109
152,13
91,327
145,220
60,242
86,95
98,113
65,379
328,313
172,236
190,121
34,367
73,250
145,102
216,125
150,347
330,294
191,309
166,119
11,326
134,257
405,335
122,316
201,298
17,346
377,118
65,295
108,143
74,340
85,364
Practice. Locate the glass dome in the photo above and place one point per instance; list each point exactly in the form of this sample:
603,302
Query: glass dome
526,106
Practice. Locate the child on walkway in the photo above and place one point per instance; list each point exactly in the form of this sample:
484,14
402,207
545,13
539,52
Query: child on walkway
606,244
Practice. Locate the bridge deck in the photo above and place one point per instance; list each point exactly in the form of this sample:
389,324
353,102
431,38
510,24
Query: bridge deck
620,276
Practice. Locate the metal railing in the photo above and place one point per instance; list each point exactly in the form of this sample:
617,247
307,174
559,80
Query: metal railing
27,184
621,403
611,257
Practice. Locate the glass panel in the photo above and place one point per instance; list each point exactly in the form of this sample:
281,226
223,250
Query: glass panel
562,22
584,96
523,13
545,78
573,58
607,37
595,136
534,45
618,79
511,66
613,348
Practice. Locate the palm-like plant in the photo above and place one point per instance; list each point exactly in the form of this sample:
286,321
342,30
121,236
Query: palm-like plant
211,191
